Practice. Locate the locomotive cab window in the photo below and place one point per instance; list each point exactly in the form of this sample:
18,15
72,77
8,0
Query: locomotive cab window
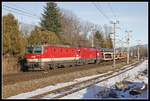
37,50
34,50
29,50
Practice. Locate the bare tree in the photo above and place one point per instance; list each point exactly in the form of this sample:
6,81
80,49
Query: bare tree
70,27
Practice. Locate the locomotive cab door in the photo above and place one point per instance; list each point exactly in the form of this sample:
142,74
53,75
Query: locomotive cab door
39,51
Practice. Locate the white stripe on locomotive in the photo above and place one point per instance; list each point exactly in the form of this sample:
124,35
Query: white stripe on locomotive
52,59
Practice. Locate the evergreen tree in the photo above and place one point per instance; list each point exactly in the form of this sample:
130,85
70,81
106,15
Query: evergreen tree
13,42
6,39
98,39
38,36
51,18
110,44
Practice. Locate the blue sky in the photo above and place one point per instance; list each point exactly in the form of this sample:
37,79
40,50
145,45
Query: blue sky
132,15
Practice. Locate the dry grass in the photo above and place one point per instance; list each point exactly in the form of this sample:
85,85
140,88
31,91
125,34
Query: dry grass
9,65
10,90
26,86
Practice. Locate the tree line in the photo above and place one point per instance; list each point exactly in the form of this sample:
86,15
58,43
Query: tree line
57,26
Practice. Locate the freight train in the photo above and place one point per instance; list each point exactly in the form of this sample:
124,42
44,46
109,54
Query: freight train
45,57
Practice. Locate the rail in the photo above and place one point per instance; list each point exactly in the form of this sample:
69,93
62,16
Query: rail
61,92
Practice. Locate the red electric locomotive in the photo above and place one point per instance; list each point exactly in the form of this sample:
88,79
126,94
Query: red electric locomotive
47,57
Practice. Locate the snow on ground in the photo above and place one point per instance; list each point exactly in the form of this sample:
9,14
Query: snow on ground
89,92
107,89
51,87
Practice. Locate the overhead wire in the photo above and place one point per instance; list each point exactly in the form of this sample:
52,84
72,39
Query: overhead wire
114,14
100,10
112,11
17,12
24,12
28,11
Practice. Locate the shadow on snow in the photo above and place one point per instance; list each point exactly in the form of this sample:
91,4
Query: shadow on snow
101,92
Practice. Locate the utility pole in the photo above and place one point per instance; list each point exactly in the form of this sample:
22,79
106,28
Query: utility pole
138,41
122,43
93,36
128,49
114,24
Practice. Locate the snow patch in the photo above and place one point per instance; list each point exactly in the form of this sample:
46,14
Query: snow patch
107,89
90,92
51,87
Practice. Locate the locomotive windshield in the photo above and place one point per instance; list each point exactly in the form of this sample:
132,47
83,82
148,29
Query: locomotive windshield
34,50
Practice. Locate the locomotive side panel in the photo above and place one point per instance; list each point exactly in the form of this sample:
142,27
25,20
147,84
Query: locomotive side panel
51,57
61,55
88,55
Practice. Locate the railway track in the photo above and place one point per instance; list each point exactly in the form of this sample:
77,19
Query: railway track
61,92
26,76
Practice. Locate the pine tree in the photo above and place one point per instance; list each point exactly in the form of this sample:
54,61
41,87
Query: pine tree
51,18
